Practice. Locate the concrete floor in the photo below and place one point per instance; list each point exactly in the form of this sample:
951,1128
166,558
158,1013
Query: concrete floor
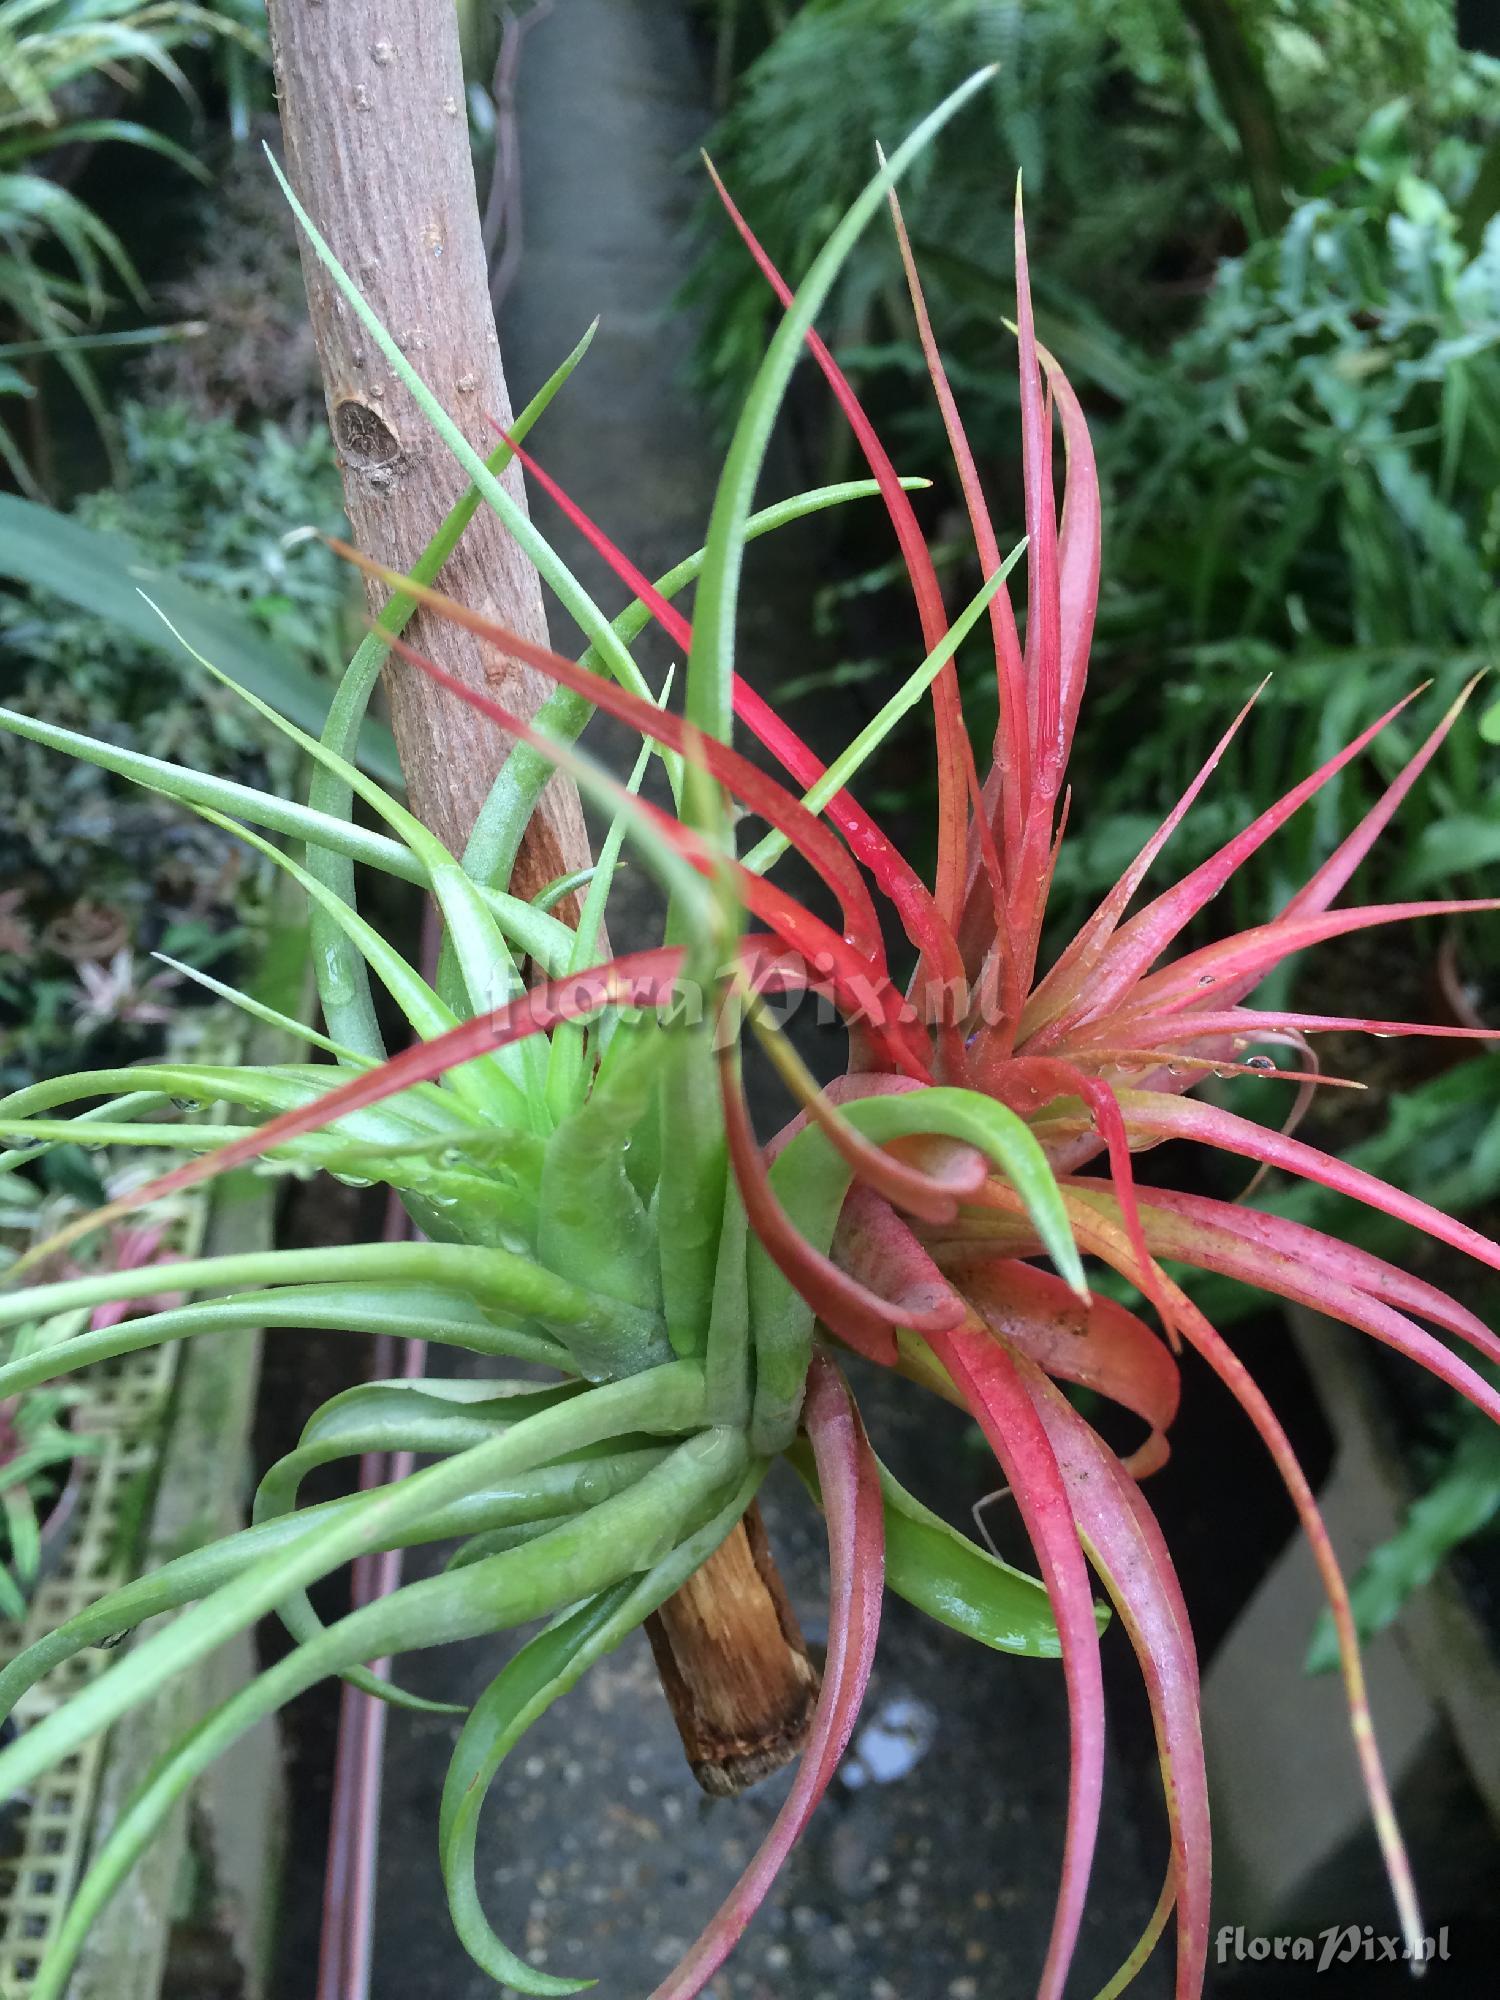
931,1868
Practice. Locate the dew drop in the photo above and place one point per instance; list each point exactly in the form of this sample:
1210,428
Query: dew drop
1205,979
337,985
1260,1062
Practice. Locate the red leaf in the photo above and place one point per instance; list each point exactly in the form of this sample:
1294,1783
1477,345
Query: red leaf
635,580
762,794
1079,958
989,1379
1296,1262
873,1245
1163,1117
1043,607
863,988
1318,893
1099,1345
952,735
1250,1022
1143,940
1029,876
639,979
1078,550
859,1316
931,1194
850,1486
1109,1242
1237,963
1012,743
1027,1083
919,914
897,878
1125,1545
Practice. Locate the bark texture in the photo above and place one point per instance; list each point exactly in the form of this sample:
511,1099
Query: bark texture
373,113
372,109
734,1665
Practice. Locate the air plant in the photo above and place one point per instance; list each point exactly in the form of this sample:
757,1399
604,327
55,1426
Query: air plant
595,1122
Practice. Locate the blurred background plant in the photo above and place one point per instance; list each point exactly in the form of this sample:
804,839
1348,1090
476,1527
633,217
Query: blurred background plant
175,320
1306,486
73,77
210,504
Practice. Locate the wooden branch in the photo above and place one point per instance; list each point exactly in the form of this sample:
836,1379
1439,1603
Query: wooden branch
734,1665
372,108
373,112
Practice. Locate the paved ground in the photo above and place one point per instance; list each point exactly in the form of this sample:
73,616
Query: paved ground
931,1870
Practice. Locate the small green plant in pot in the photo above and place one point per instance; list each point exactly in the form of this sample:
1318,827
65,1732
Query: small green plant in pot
581,1159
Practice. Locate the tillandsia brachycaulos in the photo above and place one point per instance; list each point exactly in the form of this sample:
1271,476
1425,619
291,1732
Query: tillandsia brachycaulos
594,1200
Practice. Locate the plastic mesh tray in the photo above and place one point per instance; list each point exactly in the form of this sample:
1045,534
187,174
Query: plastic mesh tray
42,1837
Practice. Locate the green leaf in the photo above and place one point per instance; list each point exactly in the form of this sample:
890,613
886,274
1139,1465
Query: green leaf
669,1400
496,838
548,1494
485,1084
105,574
1456,844
951,1578
543,1671
573,1563
397,1307
511,1077
540,936
512,1285
711,662
343,983
1464,1499
589,1214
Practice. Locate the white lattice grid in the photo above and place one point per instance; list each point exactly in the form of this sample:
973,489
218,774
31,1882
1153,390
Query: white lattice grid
123,1404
